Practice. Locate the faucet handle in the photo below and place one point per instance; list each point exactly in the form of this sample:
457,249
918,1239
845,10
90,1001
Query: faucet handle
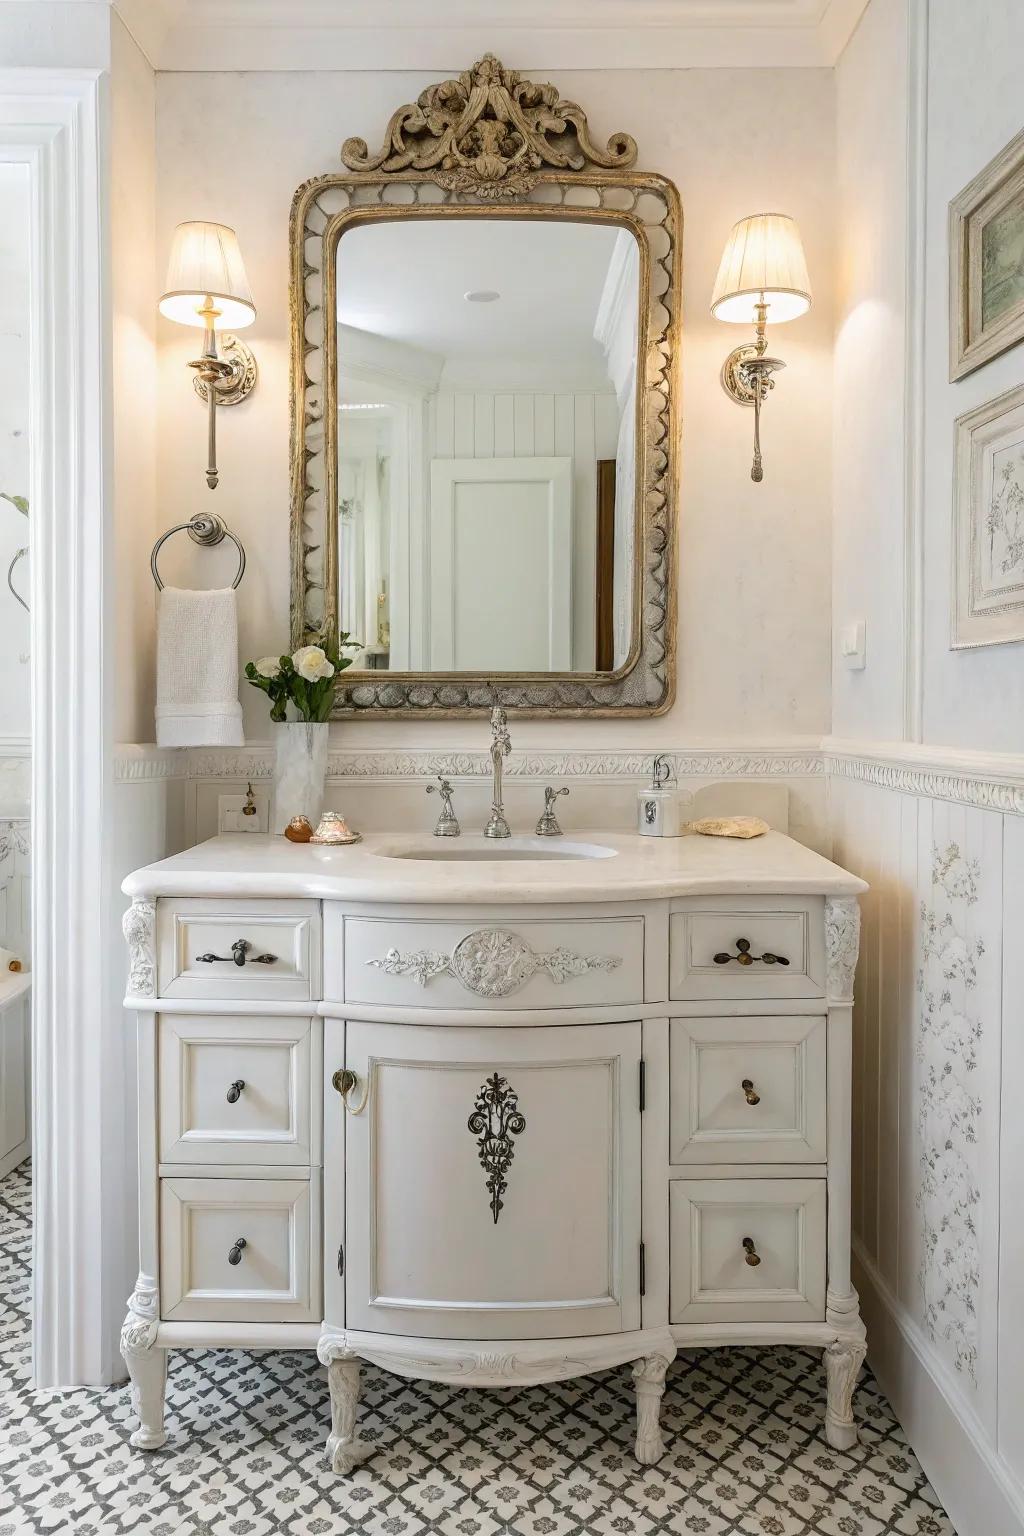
447,821
548,824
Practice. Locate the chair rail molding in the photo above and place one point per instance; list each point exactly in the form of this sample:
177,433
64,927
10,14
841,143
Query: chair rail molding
52,123
989,780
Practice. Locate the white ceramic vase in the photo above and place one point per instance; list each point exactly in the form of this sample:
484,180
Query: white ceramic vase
299,772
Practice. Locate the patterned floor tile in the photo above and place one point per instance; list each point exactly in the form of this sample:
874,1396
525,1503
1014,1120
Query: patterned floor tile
745,1456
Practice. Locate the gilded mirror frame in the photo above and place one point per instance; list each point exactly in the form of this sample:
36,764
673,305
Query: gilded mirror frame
489,144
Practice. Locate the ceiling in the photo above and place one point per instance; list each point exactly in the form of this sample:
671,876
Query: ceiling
532,34
407,282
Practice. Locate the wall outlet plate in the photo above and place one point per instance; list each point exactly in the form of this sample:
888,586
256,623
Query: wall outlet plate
231,815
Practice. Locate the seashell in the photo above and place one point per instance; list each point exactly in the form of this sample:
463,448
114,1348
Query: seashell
299,830
333,828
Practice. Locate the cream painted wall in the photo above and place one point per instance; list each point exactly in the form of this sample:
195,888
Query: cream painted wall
754,661
971,698
133,303
868,434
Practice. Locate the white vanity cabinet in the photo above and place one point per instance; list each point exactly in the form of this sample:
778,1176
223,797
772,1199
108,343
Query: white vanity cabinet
414,1114
468,1217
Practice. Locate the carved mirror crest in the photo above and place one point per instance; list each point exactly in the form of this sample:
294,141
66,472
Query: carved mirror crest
485,333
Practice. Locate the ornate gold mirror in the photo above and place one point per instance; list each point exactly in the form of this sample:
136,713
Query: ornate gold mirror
485,328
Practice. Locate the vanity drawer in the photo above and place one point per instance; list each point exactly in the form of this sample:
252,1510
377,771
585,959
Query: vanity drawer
239,949
742,932
559,963
238,1090
747,1250
747,1090
240,1250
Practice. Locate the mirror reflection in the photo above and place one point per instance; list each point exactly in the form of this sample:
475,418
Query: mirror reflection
486,444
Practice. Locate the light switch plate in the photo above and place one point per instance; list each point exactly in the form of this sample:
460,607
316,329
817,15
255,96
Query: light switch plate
853,646
231,817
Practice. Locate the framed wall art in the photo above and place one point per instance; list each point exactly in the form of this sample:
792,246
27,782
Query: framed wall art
988,524
986,251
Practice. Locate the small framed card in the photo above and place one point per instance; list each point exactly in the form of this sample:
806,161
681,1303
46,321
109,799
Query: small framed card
988,524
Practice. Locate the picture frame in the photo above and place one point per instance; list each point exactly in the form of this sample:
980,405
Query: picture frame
986,253
988,524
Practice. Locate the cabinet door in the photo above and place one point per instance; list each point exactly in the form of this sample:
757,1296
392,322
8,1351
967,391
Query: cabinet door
493,1181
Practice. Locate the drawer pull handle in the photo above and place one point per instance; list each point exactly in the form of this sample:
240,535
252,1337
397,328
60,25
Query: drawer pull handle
744,957
238,956
235,1251
235,1091
749,1093
750,1253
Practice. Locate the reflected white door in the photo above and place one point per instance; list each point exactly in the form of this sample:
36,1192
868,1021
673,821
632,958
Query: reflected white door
493,1181
500,565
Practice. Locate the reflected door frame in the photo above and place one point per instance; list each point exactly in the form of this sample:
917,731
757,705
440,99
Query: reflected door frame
552,563
408,481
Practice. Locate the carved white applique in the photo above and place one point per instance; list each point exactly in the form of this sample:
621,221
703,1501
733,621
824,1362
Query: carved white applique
950,1108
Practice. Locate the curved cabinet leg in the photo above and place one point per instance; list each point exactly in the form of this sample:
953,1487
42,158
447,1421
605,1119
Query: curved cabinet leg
649,1375
344,1449
147,1365
843,1360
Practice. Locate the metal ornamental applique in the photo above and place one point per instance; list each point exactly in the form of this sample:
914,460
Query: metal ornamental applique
491,962
494,1122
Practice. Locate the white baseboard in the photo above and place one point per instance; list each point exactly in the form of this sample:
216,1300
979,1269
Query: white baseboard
977,1489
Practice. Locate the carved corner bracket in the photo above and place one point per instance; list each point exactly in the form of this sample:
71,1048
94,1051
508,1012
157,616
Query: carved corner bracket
842,945
139,928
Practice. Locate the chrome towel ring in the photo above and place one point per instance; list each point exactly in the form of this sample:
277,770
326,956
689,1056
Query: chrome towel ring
205,528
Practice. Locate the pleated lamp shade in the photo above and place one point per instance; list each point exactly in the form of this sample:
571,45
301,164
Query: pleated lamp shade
205,261
763,261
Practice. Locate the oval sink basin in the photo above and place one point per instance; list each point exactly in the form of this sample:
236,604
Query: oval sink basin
499,850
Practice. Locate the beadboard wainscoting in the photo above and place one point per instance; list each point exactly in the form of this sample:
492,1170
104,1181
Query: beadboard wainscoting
938,1140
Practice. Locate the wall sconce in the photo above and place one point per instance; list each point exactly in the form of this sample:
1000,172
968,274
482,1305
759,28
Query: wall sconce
762,277
207,286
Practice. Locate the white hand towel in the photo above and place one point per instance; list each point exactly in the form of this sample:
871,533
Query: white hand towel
197,670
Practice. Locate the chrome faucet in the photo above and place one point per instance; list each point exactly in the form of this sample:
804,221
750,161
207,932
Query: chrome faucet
501,746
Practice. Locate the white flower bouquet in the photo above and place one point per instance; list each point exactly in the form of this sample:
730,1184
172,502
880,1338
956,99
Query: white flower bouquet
305,679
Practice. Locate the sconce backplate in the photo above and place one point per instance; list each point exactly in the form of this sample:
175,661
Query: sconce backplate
734,376
237,384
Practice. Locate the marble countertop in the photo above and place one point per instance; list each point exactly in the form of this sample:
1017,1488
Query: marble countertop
244,865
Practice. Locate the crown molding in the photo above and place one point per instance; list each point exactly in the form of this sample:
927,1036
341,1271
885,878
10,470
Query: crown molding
218,35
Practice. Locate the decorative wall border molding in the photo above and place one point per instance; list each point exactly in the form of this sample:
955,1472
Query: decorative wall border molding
991,781
801,759
139,764
988,780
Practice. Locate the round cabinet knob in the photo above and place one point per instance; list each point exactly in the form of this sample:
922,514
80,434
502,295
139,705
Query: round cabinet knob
749,1093
235,1091
343,1081
750,1254
235,1251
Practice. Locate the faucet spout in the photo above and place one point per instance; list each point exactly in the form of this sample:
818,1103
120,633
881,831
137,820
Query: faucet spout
501,746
